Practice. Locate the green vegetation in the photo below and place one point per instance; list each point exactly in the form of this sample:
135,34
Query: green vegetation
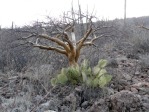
95,77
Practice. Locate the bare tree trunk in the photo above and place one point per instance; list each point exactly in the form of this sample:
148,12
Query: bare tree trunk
72,62
12,25
81,20
72,58
125,3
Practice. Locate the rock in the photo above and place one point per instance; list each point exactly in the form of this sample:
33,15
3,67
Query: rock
127,88
78,89
122,59
146,106
132,56
145,103
141,84
127,77
99,106
49,105
123,82
145,99
85,104
66,109
125,101
2,99
135,80
16,110
71,98
109,91
112,63
130,64
143,90
78,110
134,90
147,96
137,73
8,95
37,98
70,101
49,111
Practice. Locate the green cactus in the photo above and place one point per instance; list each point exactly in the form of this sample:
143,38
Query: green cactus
95,82
99,75
101,72
73,75
64,71
104,80
85,69
62,79
84,76
89,82
96,77
96,70
102,63
54,81
85,64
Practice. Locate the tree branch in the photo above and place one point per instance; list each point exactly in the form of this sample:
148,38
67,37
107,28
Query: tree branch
30,36
68,41
91,42
100,28
143,27
56,40
81,41
59,50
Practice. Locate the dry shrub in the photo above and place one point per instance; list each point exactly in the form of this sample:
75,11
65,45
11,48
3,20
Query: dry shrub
140,41
144,63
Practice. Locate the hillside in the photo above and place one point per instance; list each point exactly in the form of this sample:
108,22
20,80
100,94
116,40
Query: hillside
26,72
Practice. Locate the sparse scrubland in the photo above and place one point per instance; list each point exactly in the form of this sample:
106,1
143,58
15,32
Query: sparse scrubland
114,79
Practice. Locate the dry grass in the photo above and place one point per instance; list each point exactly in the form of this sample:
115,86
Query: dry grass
19,91
140,41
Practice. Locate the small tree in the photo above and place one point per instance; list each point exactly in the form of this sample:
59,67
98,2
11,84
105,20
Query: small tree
62,35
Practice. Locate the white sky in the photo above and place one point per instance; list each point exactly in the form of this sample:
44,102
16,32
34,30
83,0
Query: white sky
24,12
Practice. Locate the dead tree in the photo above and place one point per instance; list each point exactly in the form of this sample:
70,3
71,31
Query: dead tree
64,37
125,6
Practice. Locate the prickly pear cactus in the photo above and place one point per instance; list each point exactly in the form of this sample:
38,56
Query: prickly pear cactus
73,75
99,77
96,77
102,63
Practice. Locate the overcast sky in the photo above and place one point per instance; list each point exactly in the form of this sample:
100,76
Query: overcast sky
24,12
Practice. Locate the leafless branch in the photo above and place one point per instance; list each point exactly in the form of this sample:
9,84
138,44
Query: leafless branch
91,41
62,51
143,27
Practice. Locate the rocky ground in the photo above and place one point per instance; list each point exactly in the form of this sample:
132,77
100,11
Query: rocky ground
30,91
128,92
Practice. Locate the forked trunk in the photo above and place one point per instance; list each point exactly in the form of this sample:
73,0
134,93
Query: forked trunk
73,58
73,63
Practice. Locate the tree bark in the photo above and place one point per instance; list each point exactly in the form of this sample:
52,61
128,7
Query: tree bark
72,58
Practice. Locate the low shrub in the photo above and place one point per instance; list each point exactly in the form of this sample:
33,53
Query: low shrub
140,41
